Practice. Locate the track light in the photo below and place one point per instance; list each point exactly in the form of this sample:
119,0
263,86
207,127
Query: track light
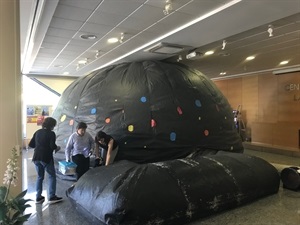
168,7
270,30
121,38
224,44
179,58
97,54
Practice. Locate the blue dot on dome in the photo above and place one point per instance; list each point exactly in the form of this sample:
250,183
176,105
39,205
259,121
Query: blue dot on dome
172,136
198,103
93,111
143,99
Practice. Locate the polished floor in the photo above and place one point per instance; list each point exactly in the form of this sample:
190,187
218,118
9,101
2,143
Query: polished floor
282,208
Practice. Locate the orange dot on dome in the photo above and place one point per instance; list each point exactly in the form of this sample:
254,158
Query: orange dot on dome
107,120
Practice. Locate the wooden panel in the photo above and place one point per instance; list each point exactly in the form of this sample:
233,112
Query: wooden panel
286,134
270,106
289,97
234,94
249,99
262,133
222,85
267,98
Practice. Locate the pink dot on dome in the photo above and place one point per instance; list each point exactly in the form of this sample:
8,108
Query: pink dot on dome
206,132
179,110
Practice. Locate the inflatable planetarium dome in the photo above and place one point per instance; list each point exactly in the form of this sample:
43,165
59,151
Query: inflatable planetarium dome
155,111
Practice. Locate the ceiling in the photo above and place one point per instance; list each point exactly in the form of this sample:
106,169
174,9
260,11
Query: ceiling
51,31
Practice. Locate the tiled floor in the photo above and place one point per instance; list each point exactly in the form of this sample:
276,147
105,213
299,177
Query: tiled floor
282,208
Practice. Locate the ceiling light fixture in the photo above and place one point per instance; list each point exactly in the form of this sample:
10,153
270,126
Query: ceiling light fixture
179,58
250,58
209,53
284,62
223,73
88,36
194,55
224,44
84,61
97,54
270,30
112,40
165,48
168,7
121,38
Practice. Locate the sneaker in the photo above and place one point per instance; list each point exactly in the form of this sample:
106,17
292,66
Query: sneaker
55,199
40,200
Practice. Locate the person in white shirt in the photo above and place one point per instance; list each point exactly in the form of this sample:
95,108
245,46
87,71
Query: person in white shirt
78,149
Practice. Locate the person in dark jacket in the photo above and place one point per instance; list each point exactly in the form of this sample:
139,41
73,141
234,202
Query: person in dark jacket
109,145
43,142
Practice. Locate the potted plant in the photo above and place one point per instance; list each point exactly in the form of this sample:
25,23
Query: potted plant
12,208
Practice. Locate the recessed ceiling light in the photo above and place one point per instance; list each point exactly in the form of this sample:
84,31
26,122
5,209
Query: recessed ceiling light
284,62
223,73
250,58
209,53
113,40
88,36
58,66
82,61
66,73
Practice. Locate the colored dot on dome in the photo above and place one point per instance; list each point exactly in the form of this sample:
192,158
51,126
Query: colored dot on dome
63,118
116,100
172,136
93,111
107,120
206,132
231,148
153,123
71,122
75,107
199,118
130,128
145,146
143,99
225,117
198,103
179,110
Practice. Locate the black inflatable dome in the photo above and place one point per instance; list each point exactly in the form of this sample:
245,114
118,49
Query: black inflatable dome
155,110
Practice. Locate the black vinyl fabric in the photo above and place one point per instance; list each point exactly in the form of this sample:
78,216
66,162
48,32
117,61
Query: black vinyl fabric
155,111
290,177
172,192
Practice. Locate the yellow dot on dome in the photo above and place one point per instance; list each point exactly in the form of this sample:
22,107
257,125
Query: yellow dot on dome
63,118
130,128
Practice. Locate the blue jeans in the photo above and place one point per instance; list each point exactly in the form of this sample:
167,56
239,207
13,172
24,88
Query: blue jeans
41,167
